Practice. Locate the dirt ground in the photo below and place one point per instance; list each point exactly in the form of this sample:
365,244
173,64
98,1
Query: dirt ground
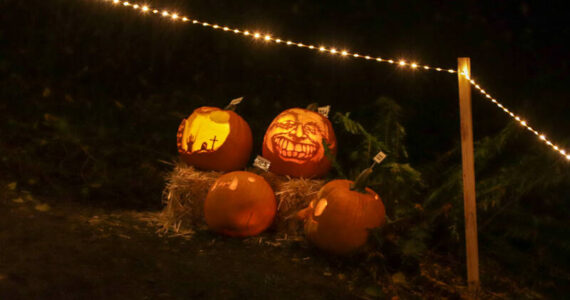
57,251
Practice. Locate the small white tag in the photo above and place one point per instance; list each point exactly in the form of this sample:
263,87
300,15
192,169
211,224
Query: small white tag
236,101
261,163
378,158
324,110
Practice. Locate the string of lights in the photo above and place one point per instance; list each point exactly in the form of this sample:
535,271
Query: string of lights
146,9
271,39
518,118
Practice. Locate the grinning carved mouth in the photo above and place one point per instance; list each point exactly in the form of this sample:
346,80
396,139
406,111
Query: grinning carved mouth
287,148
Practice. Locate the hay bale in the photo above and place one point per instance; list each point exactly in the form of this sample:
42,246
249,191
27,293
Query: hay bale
183,197
293,194
187,187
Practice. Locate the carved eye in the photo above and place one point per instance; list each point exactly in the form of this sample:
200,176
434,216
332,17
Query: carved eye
310,128
287,124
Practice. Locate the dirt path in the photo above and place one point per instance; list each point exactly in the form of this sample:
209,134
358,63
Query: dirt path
71,251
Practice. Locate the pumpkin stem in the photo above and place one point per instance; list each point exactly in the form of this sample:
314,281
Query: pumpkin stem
313,106
359,183
233,104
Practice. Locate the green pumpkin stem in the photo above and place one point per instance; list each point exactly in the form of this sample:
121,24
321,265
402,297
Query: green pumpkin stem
361,180
313,106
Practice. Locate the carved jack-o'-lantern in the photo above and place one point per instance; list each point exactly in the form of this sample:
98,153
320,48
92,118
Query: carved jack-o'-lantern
339,218
294,143
214,139
240,204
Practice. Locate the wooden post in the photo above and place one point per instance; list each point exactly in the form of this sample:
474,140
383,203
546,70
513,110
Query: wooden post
469,202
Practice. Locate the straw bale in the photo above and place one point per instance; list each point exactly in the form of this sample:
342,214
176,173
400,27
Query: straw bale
186,189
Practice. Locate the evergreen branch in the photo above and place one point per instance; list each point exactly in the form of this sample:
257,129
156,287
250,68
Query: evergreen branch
332,158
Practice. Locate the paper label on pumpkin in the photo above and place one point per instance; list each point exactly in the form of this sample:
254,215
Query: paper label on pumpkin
261,163
324,110
378,158
236,101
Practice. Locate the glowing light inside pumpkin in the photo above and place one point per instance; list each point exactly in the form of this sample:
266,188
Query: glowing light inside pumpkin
205,131
296,136
321,205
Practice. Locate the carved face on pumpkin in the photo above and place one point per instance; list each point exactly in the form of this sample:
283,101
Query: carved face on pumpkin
297,136
205,131
294,138
214,139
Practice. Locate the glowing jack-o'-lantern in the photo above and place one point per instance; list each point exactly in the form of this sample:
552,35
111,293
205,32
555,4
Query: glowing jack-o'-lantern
214,139
240,204
339,218
294,143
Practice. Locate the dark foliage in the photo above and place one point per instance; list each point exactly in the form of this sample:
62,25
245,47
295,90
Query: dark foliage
91,97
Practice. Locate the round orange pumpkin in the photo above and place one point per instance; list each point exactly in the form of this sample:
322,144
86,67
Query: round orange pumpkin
339,218
293,143
214,139
240,204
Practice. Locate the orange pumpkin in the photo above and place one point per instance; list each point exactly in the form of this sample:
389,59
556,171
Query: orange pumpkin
214,139
293,143
339,218
240,204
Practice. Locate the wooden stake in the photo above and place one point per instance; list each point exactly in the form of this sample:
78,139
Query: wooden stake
469,202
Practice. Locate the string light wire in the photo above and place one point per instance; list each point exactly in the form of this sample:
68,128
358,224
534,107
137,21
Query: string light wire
541,136
269,38
146,9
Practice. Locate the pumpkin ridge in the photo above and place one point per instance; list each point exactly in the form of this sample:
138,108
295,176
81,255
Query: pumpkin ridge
343,226
248,208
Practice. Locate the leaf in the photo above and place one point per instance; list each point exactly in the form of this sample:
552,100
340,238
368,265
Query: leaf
119,105
413,248
50,117
375,291
46,92
399,279
332,159
356,128
68,98
42,207
12,185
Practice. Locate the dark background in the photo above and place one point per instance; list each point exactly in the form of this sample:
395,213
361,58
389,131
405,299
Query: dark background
91,94
517,49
